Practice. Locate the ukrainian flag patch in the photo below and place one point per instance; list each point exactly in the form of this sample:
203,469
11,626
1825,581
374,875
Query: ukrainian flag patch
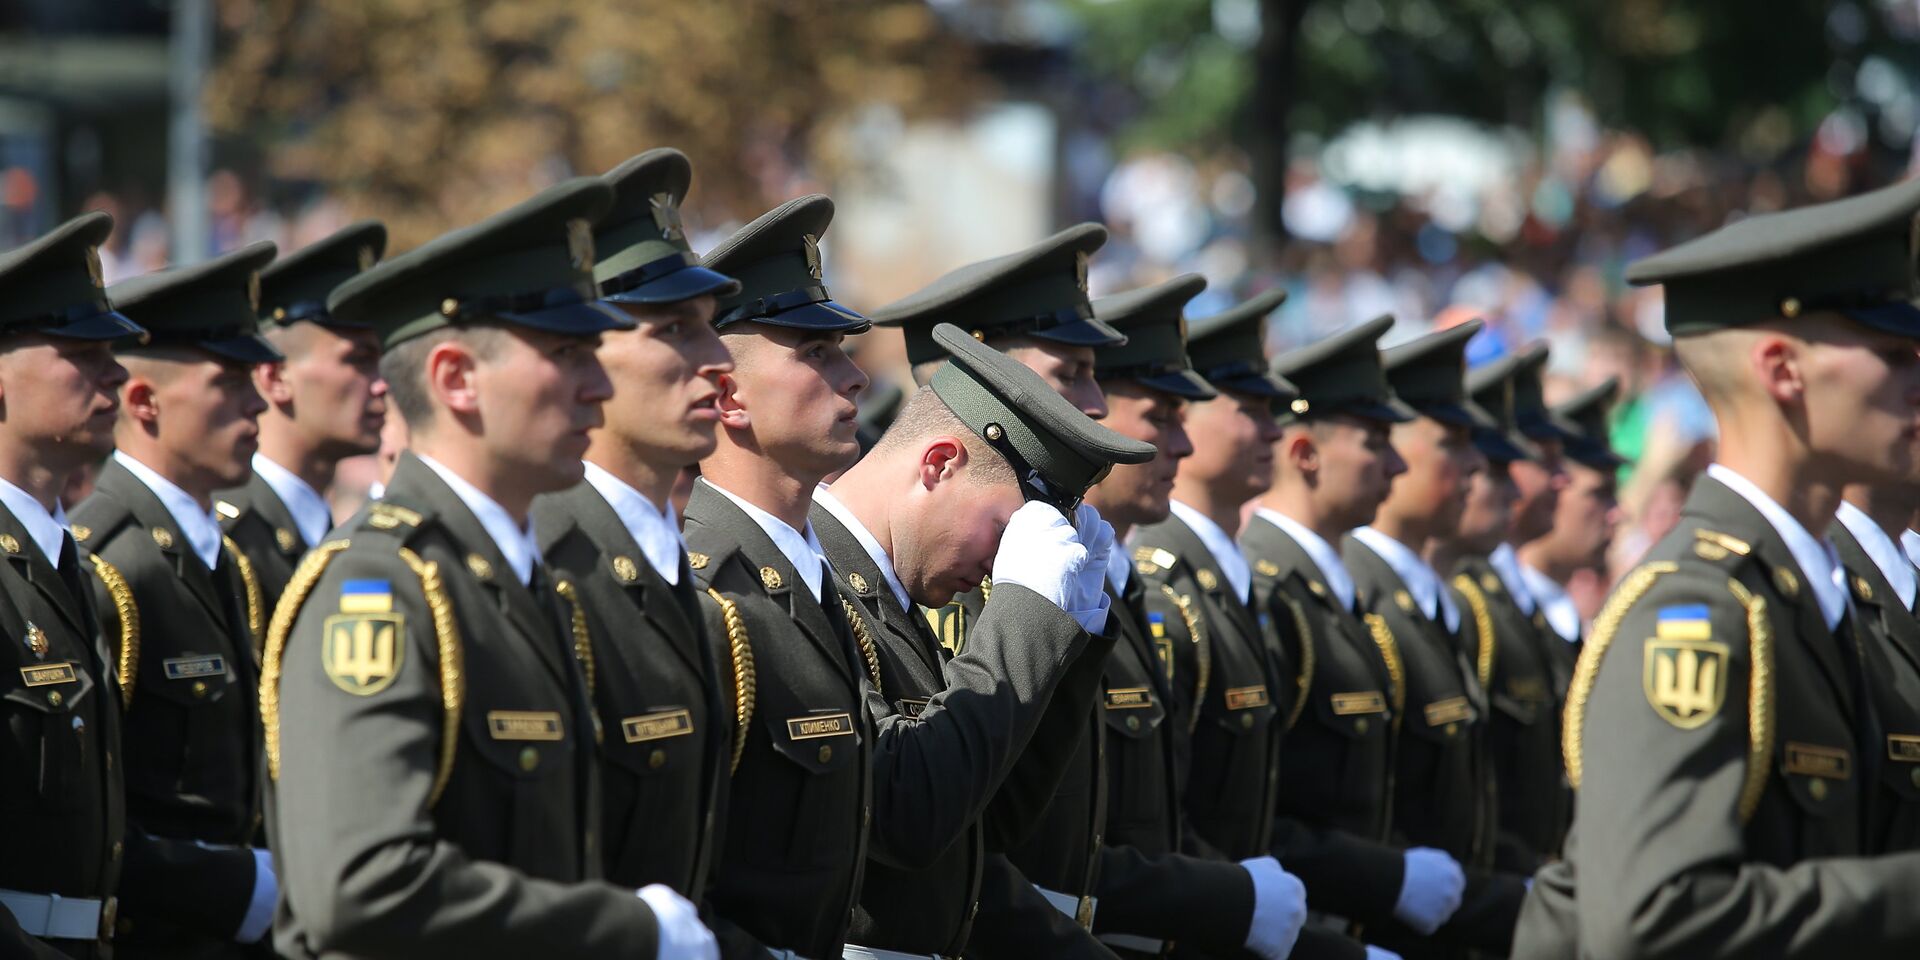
366,596
1685,622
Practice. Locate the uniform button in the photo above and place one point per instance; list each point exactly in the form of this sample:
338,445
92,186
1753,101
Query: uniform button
1818,788
1246,721
199,688
1914,775
826,753
1133,723
117,848
1360,725
657,759
529,758
1452,728
53,697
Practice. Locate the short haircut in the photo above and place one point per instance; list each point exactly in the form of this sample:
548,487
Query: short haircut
404,367
926,415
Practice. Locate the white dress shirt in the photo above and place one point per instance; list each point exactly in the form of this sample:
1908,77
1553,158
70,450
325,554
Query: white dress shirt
1910,542
1815,556
1506,565
1561,612
800,547
1226,554
47,530
1885,553
1332,569
875,551
309,509
657,532
1422,583
517,544
200,527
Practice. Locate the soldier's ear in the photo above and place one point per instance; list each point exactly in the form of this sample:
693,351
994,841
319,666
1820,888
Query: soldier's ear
1776,364
1298,448
941,459
270,379
451,376
139,399
733,414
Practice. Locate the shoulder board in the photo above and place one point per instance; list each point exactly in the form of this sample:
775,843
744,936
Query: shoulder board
1265,568
1152,560
226,510
103,522
388,516
1714,546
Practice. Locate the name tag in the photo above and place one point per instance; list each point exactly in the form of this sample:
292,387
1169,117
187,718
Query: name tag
1450,710
657,726
830,725
193,668
1348,704
48,674
1829,762
1529,689
1129,698
1245,698
1902,746
524,725
911,708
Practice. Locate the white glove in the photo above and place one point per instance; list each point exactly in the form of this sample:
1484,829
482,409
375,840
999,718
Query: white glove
1431,891
682,935
266,892
1041,551
1091,600
1375,953
1279,908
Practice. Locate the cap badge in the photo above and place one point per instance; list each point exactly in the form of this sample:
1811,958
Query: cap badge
253,290
580,244
811,245
366,257
1080,272
1300,405
94,271
666,216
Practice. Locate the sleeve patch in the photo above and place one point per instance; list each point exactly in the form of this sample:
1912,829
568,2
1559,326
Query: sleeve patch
366,596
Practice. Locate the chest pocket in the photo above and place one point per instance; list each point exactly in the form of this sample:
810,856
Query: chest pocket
805,809
1823,782
526,749
50,733
190,727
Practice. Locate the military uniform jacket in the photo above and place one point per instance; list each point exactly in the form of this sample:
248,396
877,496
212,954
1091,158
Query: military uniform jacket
795,836
192,733
949,729
1513,663
1890,646
1229,689
61,796
656,687
1724,754
1334,822
263,528
430,739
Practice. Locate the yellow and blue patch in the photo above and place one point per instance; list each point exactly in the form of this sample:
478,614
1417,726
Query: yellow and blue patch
1684,622
366,596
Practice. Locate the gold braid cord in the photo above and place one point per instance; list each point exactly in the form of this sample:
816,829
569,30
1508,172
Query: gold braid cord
301,584
453,679
1482,624
1587,670
255,629
582,639
1202,654
1759,700
986,590
743,676
860,633
128,614
1390,652
1300,623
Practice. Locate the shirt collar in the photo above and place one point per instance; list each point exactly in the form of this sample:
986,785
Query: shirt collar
309,509
875,551
517,544
200,527
1119,568
1226,554
1420,579
47,530
1881,549
800,547
657,532
1332,568
1562,614
1910,542
1815,557
1506,565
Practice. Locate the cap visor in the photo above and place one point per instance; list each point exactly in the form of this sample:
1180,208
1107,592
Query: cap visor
1393,411
1900,319
1091,332
683,284
1595,456
1181,383
579,319
248,349
1258,385
825,315
1549,427
1463,414
110,325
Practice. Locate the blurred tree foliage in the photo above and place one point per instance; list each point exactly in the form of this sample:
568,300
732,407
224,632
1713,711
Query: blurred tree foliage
1757,77
434,113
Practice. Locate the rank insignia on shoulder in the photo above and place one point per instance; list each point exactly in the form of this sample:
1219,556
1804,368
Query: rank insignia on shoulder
1684,672
386,516
226,509
1724,542
362,652
81,532
1159,557
1266,568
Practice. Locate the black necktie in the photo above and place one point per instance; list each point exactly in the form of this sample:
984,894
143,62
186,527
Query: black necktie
69,570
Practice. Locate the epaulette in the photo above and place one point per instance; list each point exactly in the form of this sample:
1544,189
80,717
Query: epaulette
1153,560
391,516
104,522
1714,546
227,511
